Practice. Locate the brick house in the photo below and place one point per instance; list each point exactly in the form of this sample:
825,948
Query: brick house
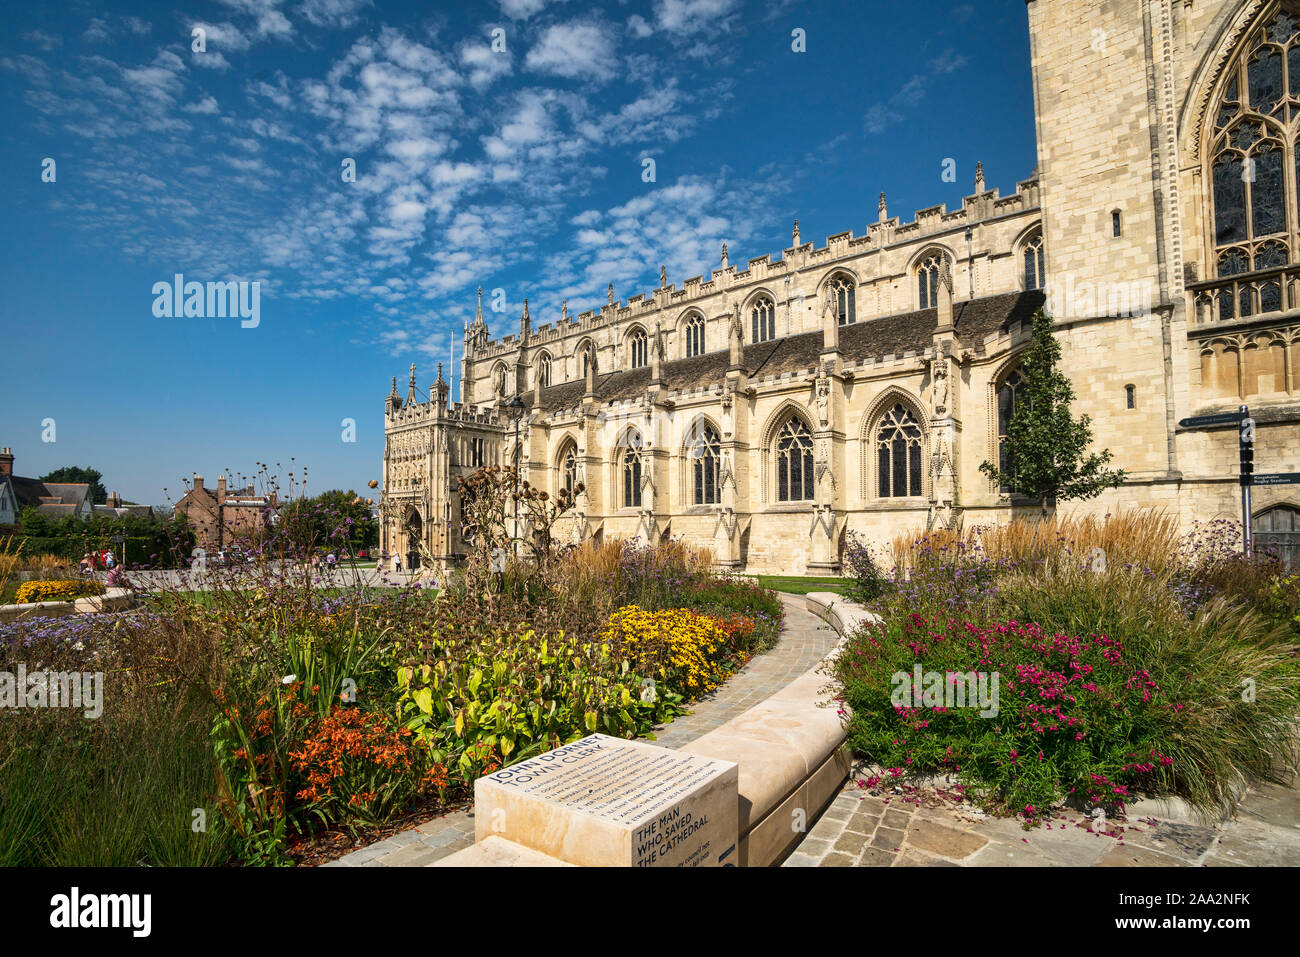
222,516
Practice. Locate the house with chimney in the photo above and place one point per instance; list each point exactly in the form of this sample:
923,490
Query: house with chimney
222,516
52,499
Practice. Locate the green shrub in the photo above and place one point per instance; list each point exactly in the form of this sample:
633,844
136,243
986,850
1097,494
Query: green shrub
1107,688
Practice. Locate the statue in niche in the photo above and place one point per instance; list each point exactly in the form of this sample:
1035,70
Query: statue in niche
823,398
939,388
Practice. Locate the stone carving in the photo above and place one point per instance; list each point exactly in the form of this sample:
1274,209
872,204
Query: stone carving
823,399
939,387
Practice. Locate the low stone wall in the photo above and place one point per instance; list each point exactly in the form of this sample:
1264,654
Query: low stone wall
114,599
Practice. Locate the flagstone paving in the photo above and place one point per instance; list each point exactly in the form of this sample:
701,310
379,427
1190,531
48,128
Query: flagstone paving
805,641
892,829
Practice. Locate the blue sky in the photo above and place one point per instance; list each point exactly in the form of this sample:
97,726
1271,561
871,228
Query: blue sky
519,170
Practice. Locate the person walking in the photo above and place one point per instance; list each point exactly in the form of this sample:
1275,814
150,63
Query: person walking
397,564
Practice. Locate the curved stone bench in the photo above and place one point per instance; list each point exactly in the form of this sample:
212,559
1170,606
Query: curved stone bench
790,750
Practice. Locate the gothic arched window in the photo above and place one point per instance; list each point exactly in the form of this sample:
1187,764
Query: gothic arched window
1253,162
898,454
695,336
638,344
705,454
1034,275
569,467
763,319
632,472
544,370
794,462
928,275
1010,394
841,291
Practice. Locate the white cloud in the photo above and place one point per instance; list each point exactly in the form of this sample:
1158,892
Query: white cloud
523,9
268,20
42,40
207,105
333,13
484,64
222,36
638,26
573,51
692,15
210,60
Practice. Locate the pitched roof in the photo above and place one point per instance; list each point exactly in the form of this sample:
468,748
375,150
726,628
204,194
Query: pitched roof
873,339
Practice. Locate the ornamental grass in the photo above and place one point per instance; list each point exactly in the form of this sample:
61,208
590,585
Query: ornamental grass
1170,668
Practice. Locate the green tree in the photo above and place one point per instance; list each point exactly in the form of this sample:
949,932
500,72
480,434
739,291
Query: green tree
1047,448
71,473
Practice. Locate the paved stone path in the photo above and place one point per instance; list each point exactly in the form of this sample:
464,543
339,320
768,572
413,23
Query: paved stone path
863,830
805,640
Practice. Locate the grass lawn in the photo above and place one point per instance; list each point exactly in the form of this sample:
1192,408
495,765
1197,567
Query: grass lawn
802,585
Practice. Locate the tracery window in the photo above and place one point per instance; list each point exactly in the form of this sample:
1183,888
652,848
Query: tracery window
841,290
763,319
569,467
1034,275
695,336
898,454
632,472
544,370
638,343
927,281
706,456
1253,165
1010,394
794,462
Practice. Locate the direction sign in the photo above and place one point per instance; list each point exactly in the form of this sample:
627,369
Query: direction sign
1202,421
1277,478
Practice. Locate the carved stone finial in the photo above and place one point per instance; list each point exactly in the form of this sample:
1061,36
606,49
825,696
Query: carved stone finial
663,277
979,177
794,240
882,208
564,310
611,294
724,255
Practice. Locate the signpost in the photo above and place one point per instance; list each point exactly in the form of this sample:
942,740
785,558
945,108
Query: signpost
1206,421
1277,478
1246,447
1246,450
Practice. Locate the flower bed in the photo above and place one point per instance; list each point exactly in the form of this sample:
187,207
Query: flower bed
342,709
66,590
1114,679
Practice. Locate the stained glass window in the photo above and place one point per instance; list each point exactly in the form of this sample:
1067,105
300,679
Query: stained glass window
1251,156
898,454
569,467
1011,393
638,343
763,319
1034,264
927,282
841,290
632,477
794,462
705,455
695,336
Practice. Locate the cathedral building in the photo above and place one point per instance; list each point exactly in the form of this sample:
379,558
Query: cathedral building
767,409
